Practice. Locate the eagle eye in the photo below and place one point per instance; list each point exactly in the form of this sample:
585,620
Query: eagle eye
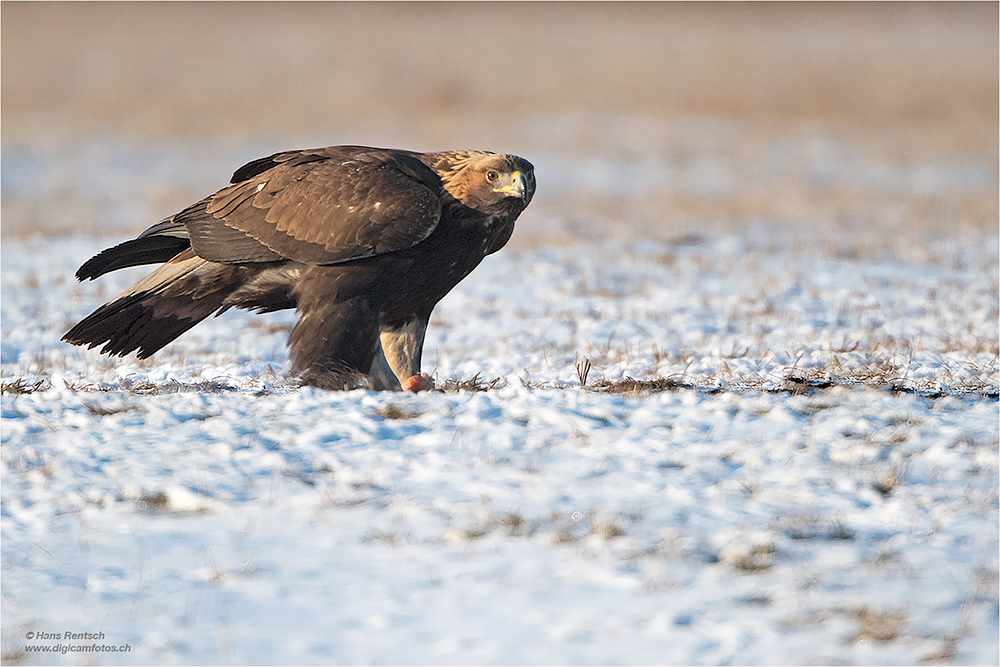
492,175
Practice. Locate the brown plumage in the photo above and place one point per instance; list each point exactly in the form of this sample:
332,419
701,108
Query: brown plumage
363,242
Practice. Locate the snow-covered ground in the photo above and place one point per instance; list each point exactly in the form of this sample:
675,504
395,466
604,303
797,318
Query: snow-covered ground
821,486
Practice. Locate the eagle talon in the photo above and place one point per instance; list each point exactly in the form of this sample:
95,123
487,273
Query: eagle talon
422,382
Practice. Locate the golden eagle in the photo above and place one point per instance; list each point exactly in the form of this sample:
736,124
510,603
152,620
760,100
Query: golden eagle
362,242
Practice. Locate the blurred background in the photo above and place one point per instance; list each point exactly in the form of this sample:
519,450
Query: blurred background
860,121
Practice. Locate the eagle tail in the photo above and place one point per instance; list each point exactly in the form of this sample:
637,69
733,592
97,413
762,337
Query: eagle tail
160,307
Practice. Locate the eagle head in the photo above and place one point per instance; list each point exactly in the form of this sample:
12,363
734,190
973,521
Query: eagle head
489,182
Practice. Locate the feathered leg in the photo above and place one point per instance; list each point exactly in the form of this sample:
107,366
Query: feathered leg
382,377
403,347
335,341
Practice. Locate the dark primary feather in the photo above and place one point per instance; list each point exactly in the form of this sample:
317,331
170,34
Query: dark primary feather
148,250
362,241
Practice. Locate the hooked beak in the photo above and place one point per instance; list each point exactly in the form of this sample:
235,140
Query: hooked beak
516,187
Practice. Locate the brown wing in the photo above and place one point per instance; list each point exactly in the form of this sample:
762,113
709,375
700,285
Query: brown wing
319,207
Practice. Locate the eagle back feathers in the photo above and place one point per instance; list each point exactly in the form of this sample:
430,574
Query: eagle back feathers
324,206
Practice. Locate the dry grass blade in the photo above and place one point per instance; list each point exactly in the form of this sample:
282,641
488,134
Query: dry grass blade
886,481
396,412
107,410
21,386
583,370
630,385
454,384
882,627
146,387
154,502
17,656
800,384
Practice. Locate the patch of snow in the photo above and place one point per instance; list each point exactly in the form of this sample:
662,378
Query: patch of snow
199,508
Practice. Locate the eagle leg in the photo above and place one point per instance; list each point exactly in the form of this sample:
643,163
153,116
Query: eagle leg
335,342
402,347
382,377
